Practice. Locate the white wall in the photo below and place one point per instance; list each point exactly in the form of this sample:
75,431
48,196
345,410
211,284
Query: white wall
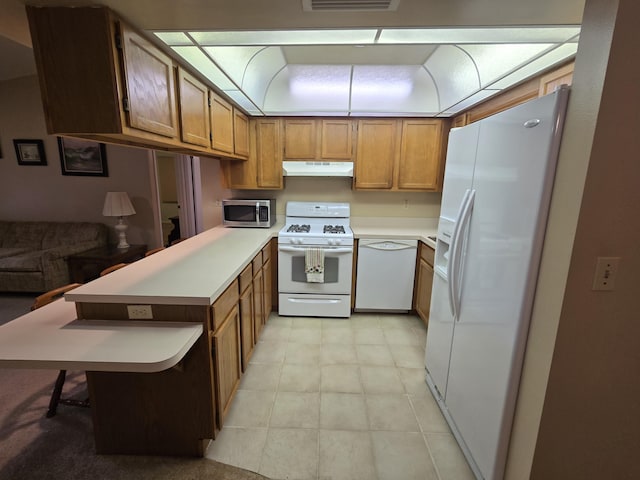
43,193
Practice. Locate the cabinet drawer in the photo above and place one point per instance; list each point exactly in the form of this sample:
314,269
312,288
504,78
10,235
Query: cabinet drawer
257,263
224,304
266,253
427,253
246,277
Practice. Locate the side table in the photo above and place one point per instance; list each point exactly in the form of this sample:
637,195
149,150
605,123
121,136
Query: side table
87,265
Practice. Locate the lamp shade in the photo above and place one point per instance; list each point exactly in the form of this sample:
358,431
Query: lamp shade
117,204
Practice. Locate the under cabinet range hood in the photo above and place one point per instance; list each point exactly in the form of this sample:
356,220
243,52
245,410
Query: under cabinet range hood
317,169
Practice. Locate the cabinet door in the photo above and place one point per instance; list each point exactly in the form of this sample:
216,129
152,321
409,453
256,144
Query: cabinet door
150,86
337,140
258,303
221,124
376,154
300,139
552,80
266,282
246,326
240,133
268,153
423,289
420,155
226,352
193,98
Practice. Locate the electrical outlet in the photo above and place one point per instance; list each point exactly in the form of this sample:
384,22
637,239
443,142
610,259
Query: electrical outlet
137,312
606,271
406,204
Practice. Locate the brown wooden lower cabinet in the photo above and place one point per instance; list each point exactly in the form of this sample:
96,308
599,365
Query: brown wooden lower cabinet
424,282
258,302
177,411
247,317
225,350
266,290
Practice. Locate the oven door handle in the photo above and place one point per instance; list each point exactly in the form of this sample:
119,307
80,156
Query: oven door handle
326,249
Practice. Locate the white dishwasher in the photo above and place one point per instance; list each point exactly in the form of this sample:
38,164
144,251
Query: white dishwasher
385,273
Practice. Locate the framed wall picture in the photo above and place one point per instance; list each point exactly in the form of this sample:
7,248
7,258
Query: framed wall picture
82,157
30,152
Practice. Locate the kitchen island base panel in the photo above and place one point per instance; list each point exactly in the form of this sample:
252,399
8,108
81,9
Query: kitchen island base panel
166,413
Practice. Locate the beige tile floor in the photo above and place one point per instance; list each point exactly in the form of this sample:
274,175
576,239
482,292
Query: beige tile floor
331,399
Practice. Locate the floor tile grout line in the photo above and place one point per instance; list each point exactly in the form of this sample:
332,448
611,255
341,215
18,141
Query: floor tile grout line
433,460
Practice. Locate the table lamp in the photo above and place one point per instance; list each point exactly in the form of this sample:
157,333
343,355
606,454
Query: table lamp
117,204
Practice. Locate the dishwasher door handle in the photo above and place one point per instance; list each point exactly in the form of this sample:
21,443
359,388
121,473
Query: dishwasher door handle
388,246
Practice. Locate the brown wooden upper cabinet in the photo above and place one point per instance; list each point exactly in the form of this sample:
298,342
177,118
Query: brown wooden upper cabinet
194,109
399,154
221,124
150,101
376,154
421,155
240,133
318,139
263,170
102,79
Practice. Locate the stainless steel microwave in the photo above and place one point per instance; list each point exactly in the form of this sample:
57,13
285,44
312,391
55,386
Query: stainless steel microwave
249,213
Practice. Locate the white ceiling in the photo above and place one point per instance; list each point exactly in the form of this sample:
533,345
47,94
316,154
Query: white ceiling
193,15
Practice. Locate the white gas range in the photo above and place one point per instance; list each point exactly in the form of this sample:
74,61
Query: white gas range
315,235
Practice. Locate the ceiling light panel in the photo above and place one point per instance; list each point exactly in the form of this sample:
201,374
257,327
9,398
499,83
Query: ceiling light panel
494,61
479,35
286,37
386,89
233,60
242,100
198,60
557,55
174,38
303,88
357,54
455,74
261,71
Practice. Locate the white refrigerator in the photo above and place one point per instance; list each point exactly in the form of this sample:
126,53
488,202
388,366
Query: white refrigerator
497,187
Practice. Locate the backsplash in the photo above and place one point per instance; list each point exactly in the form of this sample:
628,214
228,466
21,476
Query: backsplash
363,203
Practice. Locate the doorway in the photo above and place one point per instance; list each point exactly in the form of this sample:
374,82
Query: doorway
178,179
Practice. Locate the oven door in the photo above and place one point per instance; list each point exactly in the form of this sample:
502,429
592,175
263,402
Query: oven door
337,270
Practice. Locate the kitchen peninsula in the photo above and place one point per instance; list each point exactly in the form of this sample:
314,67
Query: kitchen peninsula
176,411
136,408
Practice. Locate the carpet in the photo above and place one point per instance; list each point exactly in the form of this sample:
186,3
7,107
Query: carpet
33,447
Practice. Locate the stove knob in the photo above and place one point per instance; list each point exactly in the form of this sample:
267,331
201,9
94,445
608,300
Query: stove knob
337,241
299,241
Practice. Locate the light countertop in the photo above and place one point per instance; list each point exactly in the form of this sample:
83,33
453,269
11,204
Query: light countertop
399,228
51,338
193,272
197,270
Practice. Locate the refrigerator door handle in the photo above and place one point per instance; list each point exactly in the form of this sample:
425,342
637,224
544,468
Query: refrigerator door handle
452,253
456,283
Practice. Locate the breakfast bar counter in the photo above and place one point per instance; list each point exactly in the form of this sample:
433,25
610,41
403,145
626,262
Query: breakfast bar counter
51,337
193,272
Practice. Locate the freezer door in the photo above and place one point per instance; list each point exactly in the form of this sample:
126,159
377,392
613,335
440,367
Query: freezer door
461,155
439,333
513,175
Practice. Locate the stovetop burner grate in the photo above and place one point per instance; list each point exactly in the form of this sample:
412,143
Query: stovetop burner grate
333,229
305,228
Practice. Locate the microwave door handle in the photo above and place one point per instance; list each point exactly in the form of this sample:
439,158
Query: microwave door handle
257,211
